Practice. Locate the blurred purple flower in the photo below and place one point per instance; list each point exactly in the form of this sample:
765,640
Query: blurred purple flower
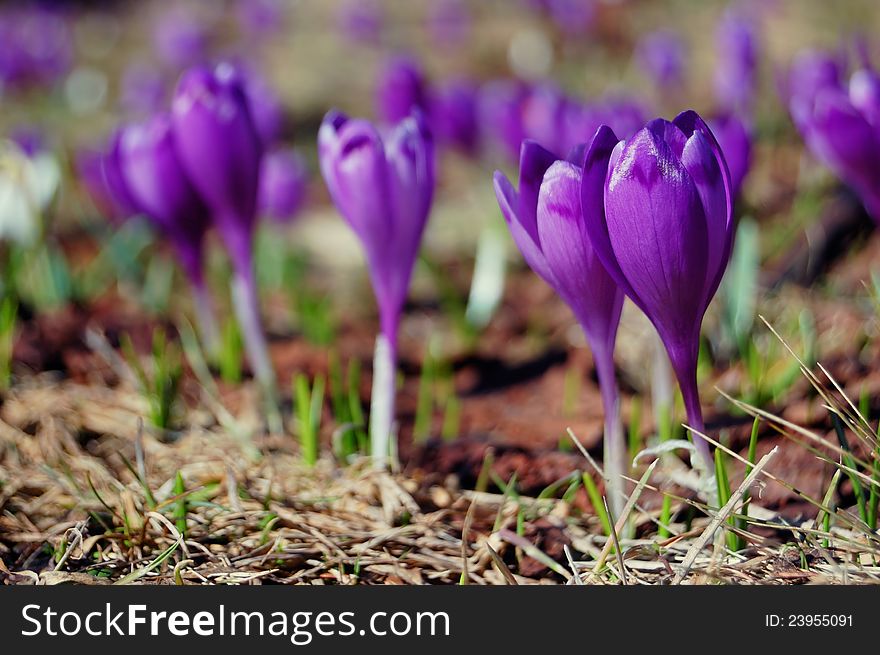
544,116
283,184
661,55
736,70
90,172
842,129
401,87
143,89
625,116
37,45
181,37
383,189
453,114
449,22
663,229
361,21
546,219
160,189
735,139
266,108
221,150
500,115
810,72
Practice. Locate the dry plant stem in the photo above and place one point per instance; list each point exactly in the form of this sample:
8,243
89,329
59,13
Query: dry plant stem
615,460
382,399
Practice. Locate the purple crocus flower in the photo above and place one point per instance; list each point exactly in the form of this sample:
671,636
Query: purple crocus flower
736,70
383,188
400,89
735,139
453,114
663,229
221,151
547,221
283,182
661,55
160,189
842,129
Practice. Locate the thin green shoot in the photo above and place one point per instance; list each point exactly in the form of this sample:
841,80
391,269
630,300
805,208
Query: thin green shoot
596,501
425,401
180,507
160,385
8,318
231,352
309,406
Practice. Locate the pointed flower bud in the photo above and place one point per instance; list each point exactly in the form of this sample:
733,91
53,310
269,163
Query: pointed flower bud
220,151
547,220
663,230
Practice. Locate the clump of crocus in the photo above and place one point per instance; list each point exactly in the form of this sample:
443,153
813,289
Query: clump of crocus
283,181
221,151
159,188
662,225
383,187
547,221
841,126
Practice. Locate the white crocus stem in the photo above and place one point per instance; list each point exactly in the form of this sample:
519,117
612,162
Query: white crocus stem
382,401
207,322
247,311
662,382
615,457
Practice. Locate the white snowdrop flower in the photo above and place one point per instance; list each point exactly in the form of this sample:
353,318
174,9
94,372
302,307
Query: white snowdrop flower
27,187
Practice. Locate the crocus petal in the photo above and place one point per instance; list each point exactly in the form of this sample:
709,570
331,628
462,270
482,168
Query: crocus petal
410,157
218,142
602,154
508,200
581,279
361,190
157,182
701,163
864,93
845,141
720,223
657,229
534,160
